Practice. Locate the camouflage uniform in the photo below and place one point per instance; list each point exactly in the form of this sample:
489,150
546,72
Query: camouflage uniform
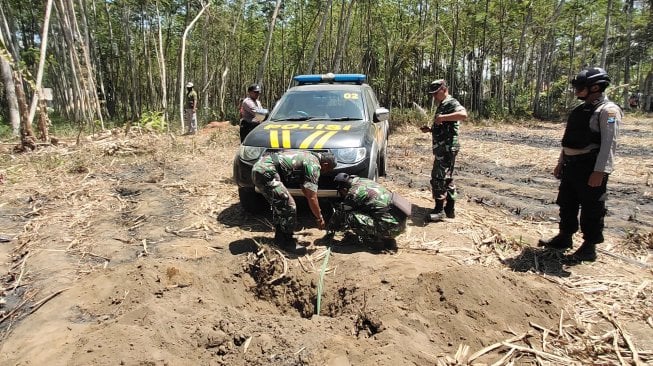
445,149
190,117
367,210
269,175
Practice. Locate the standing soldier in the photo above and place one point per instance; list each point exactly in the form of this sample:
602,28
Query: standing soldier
368,209
445,126
190,109
586,160
292,167
248,111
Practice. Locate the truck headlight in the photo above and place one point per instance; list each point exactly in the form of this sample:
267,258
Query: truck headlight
349,155
250,152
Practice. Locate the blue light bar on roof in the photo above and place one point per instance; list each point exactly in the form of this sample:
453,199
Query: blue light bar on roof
330,78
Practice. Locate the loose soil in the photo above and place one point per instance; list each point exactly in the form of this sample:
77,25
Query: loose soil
133,250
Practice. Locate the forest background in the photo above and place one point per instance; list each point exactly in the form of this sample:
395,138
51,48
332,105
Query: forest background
96,64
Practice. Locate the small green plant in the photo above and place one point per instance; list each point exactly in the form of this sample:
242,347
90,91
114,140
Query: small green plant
5,131
152,121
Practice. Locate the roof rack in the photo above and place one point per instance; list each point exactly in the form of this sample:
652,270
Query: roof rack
330,78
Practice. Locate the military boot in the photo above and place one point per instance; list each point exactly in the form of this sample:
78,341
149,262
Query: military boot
451,200
437,214
283,239
449,209
586,253
560,241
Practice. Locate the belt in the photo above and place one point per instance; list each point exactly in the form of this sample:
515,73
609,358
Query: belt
580,157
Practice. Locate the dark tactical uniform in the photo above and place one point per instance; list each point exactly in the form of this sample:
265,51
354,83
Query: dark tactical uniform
271,172
368,211
190,117
445,149
589,144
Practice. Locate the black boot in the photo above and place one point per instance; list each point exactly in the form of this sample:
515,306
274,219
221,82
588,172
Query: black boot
451,199
437,214
449,208
560,241
284,240
586,253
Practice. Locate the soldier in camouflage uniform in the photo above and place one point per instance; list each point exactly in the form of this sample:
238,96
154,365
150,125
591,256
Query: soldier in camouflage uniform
367,210
273,171
190,109
445,126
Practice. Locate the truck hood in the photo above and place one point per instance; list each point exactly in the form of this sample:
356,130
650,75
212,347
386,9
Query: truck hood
322,134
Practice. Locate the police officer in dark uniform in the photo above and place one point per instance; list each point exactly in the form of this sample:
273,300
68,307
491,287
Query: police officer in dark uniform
585,162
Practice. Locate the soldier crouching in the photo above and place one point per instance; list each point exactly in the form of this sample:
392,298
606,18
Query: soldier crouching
371,212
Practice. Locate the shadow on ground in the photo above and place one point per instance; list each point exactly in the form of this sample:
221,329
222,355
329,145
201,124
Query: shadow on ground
539,260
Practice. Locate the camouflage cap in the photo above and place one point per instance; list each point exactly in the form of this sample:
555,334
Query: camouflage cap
435,86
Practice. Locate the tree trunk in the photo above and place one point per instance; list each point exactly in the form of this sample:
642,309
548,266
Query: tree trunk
519,58
629,36
268,43
319,36
27,139
38,93
606,33
10,93
343,36
162,66
181,64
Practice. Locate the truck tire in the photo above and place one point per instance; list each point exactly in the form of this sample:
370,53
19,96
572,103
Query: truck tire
251,201
383,159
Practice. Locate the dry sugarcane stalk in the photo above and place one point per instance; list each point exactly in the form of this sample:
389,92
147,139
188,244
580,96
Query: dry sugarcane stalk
629,342
492,347
505,358
615,344
285,268
22,272
625,259
550,356
537,326
461,354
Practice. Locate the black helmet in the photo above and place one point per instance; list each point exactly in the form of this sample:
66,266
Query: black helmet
436,85
342,180
254,88
591,76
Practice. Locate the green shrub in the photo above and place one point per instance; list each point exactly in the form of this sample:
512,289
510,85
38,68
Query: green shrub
153,121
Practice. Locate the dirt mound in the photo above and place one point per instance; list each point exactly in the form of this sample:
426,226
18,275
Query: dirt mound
134,250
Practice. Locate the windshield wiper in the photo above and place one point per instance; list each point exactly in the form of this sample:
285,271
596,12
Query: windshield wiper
346,119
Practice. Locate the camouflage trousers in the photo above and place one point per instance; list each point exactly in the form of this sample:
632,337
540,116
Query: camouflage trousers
190,119
442,185
284,208
374,226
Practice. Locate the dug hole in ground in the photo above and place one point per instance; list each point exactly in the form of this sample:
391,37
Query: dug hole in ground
133,250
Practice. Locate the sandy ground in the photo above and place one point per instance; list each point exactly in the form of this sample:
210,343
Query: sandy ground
133,250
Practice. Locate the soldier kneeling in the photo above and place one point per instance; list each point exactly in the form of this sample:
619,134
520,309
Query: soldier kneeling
375,215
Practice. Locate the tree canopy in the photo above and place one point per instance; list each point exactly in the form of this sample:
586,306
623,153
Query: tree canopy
115,60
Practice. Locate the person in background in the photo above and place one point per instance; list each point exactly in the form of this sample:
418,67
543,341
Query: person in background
190,109
585,163
248,111
633,101
270,175
444,131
